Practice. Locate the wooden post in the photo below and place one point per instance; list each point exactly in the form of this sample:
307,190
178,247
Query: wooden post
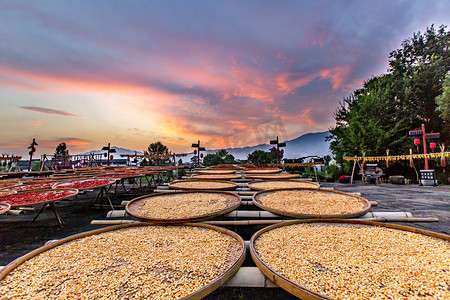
353,171
424,146
32,150
109,147
278,152
198,154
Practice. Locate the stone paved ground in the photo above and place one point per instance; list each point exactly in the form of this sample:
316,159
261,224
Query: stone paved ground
421,201
17,238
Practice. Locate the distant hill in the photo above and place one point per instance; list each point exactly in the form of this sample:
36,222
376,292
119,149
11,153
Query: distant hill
306,145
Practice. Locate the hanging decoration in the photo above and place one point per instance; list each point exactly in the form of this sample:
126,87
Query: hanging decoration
445,154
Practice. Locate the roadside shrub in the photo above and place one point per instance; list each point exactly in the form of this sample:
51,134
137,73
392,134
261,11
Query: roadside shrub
343,179
443,178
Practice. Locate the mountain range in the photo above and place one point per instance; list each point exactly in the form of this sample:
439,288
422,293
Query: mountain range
310,144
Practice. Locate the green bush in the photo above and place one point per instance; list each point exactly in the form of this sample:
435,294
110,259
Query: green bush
333,171
181,173
443,178
35,166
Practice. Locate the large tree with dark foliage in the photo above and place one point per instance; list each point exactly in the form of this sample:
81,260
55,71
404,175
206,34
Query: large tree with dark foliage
443,101
220,157
157,149
379,115
260,158
61,150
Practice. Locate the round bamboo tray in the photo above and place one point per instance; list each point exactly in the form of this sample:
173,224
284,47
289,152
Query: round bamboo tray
225,167
4,207
55,178
63,174
215,172
39,173
119,175
262,171
41,200
129,169
145,173
227,185
272,176
9,185
71,178
364,210
198,294
298,289
32,186
217,176
300,183
6,192
134,206
74,183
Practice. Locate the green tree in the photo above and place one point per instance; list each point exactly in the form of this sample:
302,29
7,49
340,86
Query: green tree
260,158
220,157
379,115
212,160
61,150
35,166
419,69
366,121
443,100
226,157
157,149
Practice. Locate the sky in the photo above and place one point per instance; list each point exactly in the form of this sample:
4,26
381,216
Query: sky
228,73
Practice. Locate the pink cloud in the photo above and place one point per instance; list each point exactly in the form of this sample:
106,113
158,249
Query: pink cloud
288,82
205,105
14,145
251,82
338,76
305,115
71,142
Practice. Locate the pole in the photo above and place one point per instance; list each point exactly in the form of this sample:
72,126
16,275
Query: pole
198,154
108,153
424,146
32,150
29,164
41,166
278,152
353,171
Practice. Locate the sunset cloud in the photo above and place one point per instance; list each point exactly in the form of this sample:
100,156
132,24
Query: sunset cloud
76,143
49,111
71,142
338,76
